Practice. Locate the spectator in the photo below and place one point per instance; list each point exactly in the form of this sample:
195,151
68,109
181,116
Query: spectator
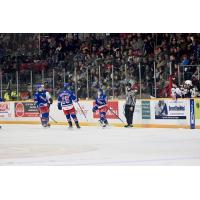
13,95
121,52
7,96
185,61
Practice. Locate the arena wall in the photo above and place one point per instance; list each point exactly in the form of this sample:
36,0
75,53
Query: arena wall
153,113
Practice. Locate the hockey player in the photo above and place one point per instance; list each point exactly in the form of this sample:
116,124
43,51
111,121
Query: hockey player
187,89
42,100
176,92
65,103
101,106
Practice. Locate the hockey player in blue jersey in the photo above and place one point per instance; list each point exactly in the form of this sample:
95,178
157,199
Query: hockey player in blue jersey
42,100
65,103
101,106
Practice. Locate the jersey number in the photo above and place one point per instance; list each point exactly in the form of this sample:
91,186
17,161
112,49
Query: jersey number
65,99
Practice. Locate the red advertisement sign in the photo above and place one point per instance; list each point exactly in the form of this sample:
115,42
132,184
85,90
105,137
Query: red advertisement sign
113,105
26,109
5,109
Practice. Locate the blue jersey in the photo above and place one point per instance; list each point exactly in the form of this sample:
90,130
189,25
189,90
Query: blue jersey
65,99
101,104
101,100
42,98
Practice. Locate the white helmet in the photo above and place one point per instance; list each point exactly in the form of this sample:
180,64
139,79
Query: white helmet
188,82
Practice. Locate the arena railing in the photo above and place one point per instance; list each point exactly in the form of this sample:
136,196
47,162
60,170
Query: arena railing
183,74
85,81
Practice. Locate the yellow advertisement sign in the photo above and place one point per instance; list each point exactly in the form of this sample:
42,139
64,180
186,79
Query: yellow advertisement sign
197,108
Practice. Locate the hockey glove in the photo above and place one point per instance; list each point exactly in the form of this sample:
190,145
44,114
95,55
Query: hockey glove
94,109
50,101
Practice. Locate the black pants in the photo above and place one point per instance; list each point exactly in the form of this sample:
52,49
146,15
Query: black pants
129,114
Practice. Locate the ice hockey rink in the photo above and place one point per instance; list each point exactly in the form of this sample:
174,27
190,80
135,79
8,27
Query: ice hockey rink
34,145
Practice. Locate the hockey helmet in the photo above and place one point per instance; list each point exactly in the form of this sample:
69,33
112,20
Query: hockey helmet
40,87
188,82
100,91
129,86
67,86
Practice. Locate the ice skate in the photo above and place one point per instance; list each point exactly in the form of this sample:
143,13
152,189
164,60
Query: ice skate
77,125
70,125
101,123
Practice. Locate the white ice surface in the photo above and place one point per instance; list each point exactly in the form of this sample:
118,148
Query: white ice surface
33,145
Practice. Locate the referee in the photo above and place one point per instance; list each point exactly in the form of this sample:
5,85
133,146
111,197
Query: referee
130,105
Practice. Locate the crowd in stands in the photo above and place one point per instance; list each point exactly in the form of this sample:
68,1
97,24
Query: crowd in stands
108,61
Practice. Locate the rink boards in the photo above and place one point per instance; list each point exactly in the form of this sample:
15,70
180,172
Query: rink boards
154,113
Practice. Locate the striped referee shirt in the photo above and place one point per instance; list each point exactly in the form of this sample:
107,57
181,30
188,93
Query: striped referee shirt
130,98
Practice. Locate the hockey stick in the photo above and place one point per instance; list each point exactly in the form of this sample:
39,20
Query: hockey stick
52,119
82,111
115,114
